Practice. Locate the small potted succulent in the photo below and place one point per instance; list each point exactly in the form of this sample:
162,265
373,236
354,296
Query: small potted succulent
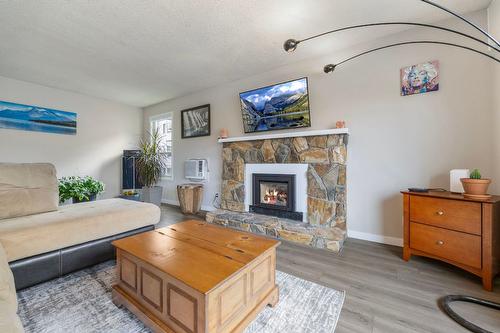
475,185
79,189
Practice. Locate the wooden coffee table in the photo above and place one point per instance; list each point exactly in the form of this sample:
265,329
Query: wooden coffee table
195,277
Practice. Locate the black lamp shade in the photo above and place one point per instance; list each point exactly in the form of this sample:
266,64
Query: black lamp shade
290,45
329,68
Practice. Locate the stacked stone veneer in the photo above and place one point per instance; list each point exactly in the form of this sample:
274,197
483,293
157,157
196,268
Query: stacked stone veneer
326,188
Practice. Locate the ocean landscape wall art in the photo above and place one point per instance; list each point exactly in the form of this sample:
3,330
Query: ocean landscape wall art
280,106
419,79
35,118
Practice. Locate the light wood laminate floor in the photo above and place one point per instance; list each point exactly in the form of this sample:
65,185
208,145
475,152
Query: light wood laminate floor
383,293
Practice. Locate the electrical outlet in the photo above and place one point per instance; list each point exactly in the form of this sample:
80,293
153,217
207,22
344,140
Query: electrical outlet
216,200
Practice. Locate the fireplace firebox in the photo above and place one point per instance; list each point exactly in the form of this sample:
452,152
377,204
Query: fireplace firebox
274,194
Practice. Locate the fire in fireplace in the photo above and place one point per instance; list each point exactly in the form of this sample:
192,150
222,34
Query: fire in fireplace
274,194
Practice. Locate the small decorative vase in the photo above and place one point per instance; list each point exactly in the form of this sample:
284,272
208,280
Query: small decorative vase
223,133
340,124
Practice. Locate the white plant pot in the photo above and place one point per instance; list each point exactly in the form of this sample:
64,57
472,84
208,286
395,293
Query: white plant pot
152,194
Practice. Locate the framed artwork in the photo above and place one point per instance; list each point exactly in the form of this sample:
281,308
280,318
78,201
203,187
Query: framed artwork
280,106
195,121
419,79
35,118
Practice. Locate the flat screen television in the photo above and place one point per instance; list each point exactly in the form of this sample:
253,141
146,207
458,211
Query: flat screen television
280,106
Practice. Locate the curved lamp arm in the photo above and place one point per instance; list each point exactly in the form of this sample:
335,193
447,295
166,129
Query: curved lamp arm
331,67
291,44
463,19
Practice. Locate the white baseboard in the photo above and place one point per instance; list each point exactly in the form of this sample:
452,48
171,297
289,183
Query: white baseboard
375,238
176,203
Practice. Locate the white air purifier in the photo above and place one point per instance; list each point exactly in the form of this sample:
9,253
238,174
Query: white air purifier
455,183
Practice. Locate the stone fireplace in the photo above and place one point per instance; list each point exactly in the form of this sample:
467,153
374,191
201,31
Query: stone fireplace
315,200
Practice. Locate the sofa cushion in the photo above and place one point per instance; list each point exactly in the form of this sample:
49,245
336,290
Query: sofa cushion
27,236
27,188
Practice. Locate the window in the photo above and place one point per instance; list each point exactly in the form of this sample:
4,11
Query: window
163,123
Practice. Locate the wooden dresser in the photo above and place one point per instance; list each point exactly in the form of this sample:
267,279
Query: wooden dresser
451,228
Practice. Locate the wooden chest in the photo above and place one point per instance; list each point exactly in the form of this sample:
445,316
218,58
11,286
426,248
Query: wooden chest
195,277
451,228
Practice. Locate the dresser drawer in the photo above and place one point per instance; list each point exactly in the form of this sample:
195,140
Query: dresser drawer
447,244
450,214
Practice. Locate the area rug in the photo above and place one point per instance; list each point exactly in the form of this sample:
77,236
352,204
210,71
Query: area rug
81,303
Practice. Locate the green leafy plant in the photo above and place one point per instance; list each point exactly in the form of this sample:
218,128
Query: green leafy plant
80,188
475,174
151,161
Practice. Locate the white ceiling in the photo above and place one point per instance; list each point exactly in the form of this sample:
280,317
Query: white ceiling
141,52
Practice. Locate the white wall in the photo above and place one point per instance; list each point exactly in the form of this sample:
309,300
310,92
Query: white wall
395,142
494,29
104,129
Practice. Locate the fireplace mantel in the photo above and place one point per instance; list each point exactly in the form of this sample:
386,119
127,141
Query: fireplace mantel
285,135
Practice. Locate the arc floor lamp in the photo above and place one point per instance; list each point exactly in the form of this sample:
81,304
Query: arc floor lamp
291,44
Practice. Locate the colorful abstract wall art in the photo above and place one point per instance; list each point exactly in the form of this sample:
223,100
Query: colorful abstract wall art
419,79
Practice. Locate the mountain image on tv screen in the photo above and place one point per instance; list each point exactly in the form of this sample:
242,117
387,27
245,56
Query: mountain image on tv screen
281,106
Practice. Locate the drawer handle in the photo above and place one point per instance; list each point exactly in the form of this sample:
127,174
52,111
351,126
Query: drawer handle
440,242
440,212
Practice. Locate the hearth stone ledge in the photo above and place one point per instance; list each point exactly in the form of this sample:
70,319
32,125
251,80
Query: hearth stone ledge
331,239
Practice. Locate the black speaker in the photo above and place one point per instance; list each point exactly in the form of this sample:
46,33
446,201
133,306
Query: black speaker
130,178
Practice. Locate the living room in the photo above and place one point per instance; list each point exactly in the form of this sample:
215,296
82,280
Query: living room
411,102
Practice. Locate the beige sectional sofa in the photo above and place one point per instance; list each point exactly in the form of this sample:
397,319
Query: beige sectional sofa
9,321
40,240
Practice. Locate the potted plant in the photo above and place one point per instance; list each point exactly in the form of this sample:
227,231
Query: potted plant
130,195
150,165
475,185
79,189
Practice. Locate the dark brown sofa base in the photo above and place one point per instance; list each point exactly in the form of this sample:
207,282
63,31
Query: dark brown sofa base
43,267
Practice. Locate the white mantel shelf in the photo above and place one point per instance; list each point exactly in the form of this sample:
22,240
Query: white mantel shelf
285,135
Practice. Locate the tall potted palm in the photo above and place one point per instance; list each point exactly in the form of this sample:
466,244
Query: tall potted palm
150,166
